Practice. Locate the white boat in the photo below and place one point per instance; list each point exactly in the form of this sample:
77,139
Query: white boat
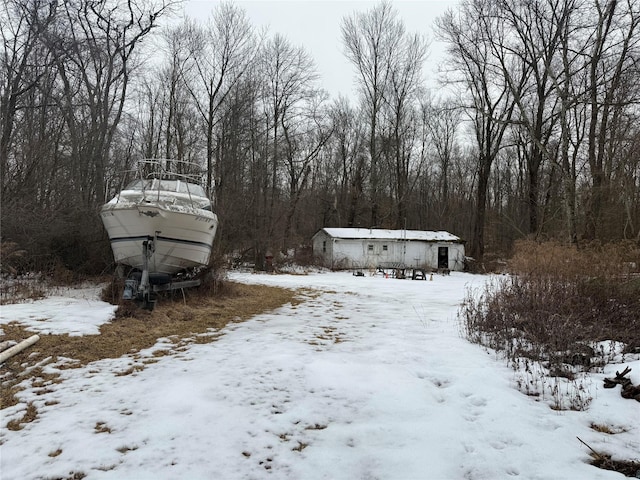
162,221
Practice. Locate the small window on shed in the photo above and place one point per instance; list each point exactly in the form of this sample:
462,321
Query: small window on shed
370,247
385,248
324,246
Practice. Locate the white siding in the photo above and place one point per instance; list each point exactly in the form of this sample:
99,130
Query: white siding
346,253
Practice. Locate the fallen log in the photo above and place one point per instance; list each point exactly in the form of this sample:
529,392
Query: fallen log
10,352
628,389
619,379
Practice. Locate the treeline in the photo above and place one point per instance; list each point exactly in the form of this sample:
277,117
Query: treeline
537,136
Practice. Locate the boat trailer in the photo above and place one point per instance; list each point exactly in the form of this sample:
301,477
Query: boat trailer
143,287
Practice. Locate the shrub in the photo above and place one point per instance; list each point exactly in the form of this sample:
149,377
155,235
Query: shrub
12,258
558,302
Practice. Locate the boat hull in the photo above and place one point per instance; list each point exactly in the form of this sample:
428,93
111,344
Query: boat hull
182,237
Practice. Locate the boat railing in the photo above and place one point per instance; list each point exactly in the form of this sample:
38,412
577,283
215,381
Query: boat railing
171,170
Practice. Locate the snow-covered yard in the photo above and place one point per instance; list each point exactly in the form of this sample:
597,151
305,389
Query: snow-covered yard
366,378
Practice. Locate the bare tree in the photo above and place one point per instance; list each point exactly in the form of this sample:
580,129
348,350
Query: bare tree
238,179
94,44
572,120
176,74
168,122
442,121
303,144
289,92
532,40
22,27
371,40
222,52
150,115
473,67
402,103
350,168
612,63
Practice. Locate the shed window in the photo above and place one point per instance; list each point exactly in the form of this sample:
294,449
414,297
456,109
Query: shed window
324,246
370,247
385,248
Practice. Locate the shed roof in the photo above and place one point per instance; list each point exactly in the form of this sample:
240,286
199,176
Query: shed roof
381,234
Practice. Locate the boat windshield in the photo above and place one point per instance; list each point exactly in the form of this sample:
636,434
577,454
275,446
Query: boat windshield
139,185
191,188
167,186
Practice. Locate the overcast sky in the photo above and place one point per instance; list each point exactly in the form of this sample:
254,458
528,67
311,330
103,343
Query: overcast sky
315,24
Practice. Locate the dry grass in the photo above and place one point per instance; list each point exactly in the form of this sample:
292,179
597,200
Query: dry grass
608,429
72,476
559,260
102,427
628,468
29,416
20,289
135,329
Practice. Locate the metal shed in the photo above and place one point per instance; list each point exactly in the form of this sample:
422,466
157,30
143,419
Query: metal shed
345,248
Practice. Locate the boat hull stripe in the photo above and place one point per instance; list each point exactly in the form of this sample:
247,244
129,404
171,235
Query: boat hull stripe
142,238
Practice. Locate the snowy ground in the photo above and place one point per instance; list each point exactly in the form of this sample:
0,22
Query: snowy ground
367,378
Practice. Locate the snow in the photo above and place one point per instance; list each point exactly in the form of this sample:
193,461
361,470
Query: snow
382,234
72,311
365,378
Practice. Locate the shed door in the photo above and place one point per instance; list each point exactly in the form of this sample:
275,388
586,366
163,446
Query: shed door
443,257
